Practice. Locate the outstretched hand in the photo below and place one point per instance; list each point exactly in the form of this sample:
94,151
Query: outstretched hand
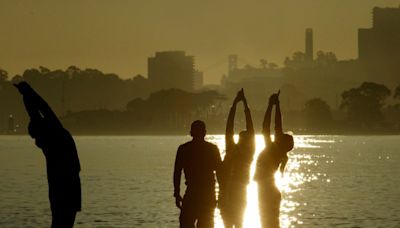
243,97
178,202
239,96
23,87
274,98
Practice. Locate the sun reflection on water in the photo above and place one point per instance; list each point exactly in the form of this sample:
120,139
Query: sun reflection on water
288,184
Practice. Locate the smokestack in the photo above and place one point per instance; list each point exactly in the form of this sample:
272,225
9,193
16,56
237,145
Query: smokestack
309,45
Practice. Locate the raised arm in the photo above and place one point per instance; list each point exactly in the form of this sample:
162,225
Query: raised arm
267,124
29,103
46,111
249,121
31,109
36,102
229,141
177,178
278,120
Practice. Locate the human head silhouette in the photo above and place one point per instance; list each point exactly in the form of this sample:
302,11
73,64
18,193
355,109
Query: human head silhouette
285,142
198,129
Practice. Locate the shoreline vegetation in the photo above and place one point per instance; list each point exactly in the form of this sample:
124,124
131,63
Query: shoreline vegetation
89,102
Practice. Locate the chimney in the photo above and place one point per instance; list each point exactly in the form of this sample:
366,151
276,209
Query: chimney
309,45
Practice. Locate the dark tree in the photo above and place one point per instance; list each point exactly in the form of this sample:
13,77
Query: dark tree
135,105
364,104
317,114
397,92
325,58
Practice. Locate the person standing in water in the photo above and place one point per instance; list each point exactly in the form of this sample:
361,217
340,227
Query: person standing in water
274,156
235,171
62,160
199,160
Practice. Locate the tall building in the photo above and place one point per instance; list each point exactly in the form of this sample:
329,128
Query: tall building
171,69
309,47
379,47
386,18
381,43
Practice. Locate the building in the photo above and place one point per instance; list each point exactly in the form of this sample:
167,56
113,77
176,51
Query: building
309,50
382,41
172,69
379,46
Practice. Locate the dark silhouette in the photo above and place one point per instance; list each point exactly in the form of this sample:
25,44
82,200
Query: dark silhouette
199,161
396,92
61,156
364,104
234,173
269,160
317,115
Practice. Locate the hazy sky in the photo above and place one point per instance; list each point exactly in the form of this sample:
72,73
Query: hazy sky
117,36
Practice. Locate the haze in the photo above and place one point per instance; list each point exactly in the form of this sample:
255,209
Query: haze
119,36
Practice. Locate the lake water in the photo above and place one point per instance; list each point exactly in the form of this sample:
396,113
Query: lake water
330,181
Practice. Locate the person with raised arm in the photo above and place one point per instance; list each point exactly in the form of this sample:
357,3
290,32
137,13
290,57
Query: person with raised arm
235,170
199,160
274,156
62,159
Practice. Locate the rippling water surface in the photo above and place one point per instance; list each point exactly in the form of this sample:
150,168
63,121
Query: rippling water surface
345,181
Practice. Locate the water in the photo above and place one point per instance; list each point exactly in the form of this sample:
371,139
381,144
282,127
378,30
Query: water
345,181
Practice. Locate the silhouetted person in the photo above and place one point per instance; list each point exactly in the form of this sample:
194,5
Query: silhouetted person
268,162
62,160
234,174
199,161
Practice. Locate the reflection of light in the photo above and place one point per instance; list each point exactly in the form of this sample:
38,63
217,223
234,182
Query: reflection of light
218,223
219,140
306,141
251,215
288,184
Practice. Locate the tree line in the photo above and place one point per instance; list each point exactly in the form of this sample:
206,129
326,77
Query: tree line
92,102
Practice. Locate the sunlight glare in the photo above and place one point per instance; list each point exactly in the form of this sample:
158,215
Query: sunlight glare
288,184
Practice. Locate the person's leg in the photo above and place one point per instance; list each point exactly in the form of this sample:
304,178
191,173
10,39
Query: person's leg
70,220
263,206
275,209
55,220
227,221
205,218
226,218
63,218
187,217
269,204
240,214
239,207
224,208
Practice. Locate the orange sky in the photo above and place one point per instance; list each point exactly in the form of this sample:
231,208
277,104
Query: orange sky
118,35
